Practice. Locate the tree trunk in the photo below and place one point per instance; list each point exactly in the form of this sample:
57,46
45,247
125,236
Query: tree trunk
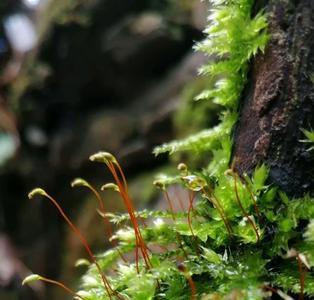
279,100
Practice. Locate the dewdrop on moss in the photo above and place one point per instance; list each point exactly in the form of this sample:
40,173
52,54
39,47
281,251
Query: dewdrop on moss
37,192
159,222
194,183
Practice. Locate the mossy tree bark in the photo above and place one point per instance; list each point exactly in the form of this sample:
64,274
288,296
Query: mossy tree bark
279,100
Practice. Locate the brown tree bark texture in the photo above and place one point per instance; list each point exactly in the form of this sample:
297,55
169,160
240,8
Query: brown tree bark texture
279,100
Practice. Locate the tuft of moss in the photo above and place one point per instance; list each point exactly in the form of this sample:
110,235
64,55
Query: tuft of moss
241,237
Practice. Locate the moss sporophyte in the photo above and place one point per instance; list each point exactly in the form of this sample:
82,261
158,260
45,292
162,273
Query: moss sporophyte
240,237
201,257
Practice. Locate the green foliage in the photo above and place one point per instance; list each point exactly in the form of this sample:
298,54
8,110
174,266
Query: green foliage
241,237
220,263
208,139
234,37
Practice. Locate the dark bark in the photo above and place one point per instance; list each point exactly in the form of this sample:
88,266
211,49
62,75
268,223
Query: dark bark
279,100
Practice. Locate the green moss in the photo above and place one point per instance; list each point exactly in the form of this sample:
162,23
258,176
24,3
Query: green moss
241,236
234,37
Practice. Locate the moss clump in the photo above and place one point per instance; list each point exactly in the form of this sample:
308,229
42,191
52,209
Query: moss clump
223,250
240,237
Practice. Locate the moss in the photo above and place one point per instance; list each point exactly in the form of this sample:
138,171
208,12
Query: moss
240,238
